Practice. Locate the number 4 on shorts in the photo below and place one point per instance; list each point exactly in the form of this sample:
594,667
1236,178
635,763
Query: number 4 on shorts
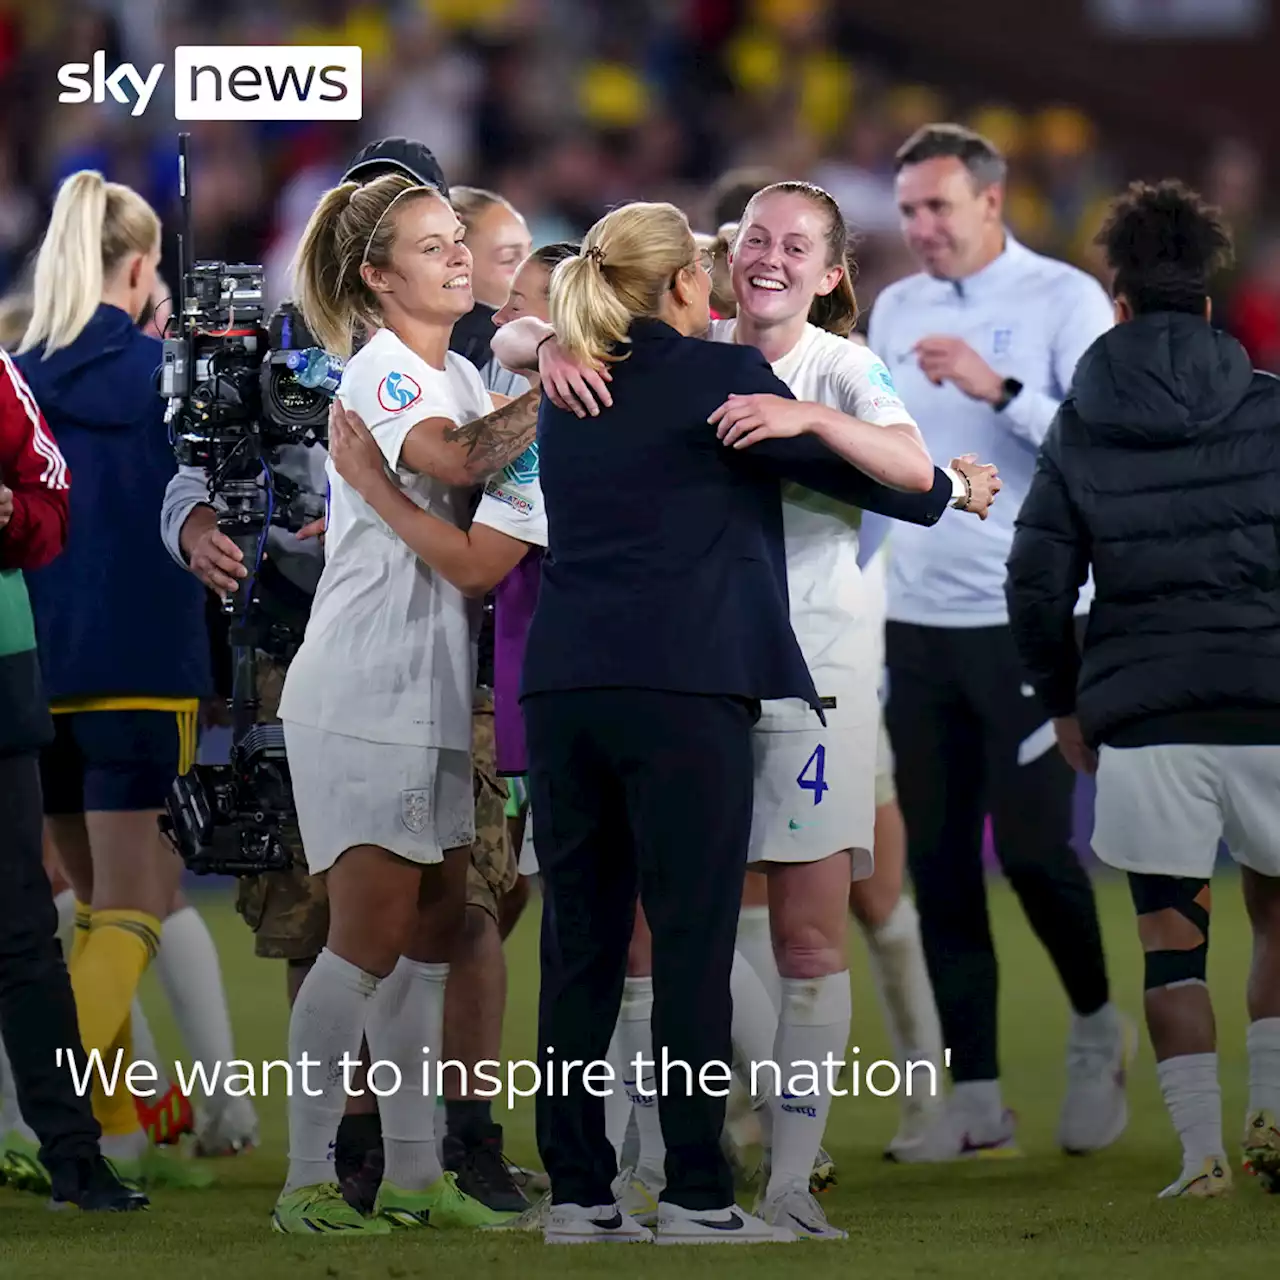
817,762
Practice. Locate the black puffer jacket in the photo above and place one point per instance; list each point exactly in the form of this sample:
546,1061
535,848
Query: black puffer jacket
1162,473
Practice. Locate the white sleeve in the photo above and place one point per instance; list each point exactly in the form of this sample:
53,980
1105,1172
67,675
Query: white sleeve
864,387
512,501
391,401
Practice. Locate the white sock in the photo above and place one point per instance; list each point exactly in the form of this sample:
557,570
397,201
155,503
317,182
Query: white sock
755,1025
406,1026
635,1037
979,1098
65,902
617,1104
814,1023
1194,1098
756,944
144,1046
187,963
124,1146
1101,1025
328,1020
10,1115
902,983
1263,1039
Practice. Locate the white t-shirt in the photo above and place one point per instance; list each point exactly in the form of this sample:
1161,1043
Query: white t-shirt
512,501
833,614
389,653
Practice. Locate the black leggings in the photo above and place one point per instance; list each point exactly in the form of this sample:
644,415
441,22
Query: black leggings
969,738
37,1009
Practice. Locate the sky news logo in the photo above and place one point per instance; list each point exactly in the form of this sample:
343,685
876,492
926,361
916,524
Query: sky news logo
232,82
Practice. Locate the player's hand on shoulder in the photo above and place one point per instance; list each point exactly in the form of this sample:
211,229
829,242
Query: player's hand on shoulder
578,388
354,452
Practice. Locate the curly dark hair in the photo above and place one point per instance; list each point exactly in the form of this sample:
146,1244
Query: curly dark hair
1164,244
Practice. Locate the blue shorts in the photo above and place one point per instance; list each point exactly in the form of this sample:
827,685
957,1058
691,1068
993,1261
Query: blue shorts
114,761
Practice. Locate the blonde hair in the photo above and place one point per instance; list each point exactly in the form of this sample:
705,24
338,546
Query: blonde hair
628,261
94,227
15,316
347,228
470,202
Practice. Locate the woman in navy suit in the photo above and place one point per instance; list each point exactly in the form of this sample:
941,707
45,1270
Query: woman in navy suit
662,622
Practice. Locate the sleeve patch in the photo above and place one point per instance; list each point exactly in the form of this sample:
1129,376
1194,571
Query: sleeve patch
524,470
397,392
880,378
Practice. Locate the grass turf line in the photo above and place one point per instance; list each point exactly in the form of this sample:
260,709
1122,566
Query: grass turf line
1046,1214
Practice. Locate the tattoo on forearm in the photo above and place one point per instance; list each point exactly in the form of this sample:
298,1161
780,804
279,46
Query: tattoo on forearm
499,437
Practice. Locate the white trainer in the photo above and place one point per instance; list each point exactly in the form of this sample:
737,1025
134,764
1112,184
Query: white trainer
228,1130
796,1209
637,1196
956,1132
594,1224
919,1115
1095,1111
733,1225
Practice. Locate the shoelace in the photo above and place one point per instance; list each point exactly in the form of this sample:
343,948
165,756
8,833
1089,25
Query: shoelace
1088,1058
488,1166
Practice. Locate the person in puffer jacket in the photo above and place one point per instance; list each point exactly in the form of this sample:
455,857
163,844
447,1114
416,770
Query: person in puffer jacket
1162,475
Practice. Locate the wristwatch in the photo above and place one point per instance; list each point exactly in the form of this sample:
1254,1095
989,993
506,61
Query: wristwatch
1011,388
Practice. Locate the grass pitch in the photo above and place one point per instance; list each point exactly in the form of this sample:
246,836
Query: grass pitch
1045,1214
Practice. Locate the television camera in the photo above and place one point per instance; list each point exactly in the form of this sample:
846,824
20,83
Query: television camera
240,387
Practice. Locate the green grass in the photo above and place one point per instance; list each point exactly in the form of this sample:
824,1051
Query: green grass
1046,1214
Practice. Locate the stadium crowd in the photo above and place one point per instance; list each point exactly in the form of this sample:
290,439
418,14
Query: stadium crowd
477,262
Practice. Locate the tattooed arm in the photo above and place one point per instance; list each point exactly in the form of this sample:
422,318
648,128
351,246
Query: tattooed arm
469,454
497,438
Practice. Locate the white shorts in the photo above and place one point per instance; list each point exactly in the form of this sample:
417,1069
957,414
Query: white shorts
1162,810
815,788
416,802
886,787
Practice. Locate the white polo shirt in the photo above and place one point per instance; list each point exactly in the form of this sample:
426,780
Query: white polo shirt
388,654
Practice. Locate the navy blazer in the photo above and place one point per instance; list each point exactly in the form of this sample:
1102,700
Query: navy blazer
666,564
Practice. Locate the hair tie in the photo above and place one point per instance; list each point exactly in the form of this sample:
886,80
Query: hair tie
596,253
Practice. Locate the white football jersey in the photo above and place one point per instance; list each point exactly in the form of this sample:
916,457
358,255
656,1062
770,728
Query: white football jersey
832,613
389,653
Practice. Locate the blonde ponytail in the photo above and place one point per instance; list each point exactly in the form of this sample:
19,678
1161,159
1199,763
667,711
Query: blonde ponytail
628,261
94,226
348,227
325,306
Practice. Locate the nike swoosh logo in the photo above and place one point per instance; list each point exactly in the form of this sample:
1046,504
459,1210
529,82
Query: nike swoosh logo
608,1224
732,1223
805,1226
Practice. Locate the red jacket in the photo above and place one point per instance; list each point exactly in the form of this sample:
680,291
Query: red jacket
36,472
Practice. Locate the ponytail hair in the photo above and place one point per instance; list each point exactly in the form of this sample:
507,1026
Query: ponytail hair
628,261
349,227
94,227
837,311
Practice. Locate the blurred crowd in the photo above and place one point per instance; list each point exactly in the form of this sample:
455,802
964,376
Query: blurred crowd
567,107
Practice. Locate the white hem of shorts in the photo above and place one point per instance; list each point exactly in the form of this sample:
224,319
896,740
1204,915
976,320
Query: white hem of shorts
415,802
